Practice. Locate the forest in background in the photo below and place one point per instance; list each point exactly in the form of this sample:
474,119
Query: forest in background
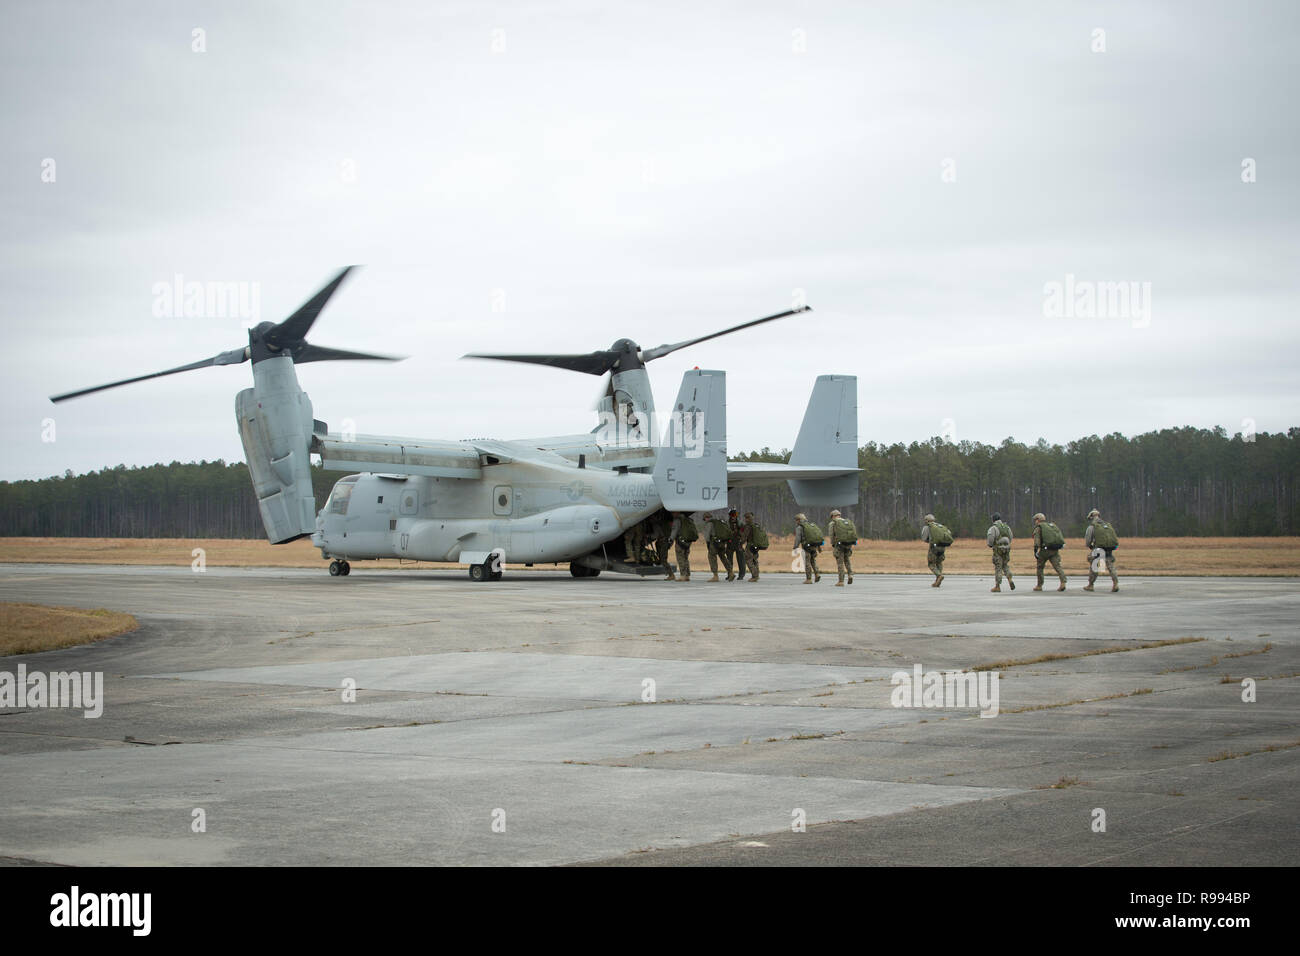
1170,483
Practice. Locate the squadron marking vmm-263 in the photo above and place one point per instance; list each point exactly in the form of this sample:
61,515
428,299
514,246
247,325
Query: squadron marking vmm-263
485,502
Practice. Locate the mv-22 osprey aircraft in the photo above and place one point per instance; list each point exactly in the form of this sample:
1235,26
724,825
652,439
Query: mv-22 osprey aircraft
483,503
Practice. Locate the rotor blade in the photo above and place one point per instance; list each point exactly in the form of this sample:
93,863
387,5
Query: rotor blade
318,353
648,355
594,363
233,357
296,326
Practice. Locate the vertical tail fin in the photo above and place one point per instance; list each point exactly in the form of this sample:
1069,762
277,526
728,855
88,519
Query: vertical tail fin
690,470
829,436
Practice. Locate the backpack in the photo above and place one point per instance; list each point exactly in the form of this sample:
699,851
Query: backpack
940,536
1053,540
812,534
1103,535
687,532
758,537
721,530
843,531
1004,530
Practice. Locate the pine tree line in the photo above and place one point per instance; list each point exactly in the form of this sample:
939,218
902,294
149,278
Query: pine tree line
1175,482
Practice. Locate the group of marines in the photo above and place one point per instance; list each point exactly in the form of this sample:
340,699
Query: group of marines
735,543
1099,538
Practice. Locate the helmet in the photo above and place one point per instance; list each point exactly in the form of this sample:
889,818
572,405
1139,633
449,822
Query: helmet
1040,517
835,513
1094,513
928,518
801,517
997,516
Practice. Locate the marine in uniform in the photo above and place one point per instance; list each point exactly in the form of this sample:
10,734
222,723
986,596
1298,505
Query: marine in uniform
681,523
1043,554
934,558
843,549
1089,537
736,549
810,551
999,539
749,545
716,547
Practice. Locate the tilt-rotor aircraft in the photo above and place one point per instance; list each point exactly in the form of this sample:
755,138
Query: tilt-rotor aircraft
482,503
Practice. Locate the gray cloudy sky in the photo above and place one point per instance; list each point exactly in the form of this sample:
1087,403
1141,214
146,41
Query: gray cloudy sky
655,170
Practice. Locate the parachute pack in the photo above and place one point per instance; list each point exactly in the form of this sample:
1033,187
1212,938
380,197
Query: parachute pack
721,530
1103,535
1004,531
843,531
940,536
812,534
758,537
688,532
1053,539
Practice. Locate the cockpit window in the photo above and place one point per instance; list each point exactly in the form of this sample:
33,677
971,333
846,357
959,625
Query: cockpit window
339,497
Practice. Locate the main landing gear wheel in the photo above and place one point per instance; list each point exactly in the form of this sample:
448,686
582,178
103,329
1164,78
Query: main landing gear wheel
347,569
336,568
582,571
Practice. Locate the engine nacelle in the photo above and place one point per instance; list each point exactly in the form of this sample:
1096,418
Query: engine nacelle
275,425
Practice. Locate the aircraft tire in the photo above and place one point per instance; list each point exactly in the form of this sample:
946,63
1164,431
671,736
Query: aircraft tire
335,569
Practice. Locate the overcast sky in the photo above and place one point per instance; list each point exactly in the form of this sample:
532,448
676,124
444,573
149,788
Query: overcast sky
555,176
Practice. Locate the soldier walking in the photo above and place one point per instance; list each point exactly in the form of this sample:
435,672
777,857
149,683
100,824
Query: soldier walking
737,548
938,537
682,534
1100,536
809,537
754,540
717,540
1048,541
999,538
843,537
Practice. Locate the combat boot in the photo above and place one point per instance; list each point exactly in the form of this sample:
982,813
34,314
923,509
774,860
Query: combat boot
1114,588
839,584
1087,587
1062,587
850,579
996,589
1038,587
714,578
934,583
939,582
816,578
1010,582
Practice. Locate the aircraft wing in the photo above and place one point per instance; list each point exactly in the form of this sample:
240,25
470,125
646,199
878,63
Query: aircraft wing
751,474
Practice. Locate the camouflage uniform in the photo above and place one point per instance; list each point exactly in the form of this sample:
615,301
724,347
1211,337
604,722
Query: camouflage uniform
1110,555
1001,553
737,549
682,548
1042,555
810,552
662,529
934,558
748,546
843,552
634,541
716,547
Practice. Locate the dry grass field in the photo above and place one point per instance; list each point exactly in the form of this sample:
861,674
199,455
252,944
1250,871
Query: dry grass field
27,628
1169,556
